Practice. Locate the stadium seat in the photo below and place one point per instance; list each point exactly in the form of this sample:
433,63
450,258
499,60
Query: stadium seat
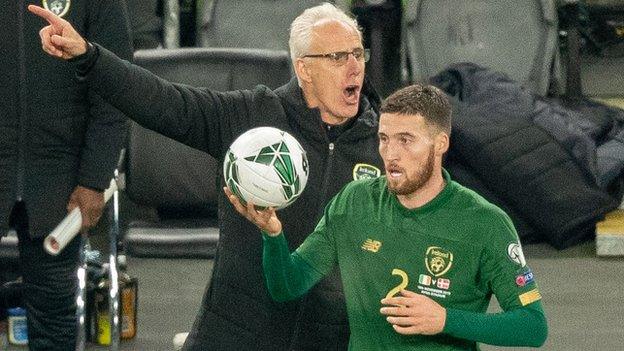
381,25
518,38
593,35
154,23
181,182
251,24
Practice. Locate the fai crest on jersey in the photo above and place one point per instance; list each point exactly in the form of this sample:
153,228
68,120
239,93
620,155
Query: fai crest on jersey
58,7
438,260
365,171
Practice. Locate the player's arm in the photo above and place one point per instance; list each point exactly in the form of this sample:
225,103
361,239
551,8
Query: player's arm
106,126
412,313
505,271
523,326
105,135
289,276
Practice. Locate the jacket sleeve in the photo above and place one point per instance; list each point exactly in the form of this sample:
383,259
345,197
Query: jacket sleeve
107,22
198,117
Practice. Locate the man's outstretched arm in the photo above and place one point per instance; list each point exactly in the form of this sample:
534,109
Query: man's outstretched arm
198,117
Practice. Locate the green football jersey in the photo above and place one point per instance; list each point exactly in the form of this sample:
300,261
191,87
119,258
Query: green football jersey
458,249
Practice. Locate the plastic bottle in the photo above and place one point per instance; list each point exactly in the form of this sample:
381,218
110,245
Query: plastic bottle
17,331
128,301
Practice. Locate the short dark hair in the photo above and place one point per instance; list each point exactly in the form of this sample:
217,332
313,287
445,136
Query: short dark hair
425,100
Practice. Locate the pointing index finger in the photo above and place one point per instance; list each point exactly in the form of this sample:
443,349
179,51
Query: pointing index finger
46,15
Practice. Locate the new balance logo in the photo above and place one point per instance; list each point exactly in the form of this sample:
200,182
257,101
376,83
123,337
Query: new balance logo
371,245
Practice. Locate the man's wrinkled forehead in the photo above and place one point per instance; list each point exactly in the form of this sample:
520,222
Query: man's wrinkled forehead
328,32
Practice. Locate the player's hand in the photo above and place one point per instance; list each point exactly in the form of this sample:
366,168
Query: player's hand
59,38
264,219
413,313
91,204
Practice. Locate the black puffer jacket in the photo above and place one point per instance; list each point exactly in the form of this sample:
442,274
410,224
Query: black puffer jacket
555,170
237,312
54,133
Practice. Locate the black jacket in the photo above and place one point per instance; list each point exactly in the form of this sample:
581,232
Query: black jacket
238,313
54,133
542,162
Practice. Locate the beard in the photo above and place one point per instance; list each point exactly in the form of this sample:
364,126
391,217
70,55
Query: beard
423,174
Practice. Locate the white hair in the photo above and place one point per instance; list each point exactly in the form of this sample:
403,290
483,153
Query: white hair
301,27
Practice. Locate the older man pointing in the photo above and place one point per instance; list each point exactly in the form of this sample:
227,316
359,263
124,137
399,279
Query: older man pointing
330,111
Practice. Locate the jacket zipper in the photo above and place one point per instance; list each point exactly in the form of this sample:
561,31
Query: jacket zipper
21,143
328,168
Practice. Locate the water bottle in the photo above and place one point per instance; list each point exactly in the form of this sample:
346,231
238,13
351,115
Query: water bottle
17,332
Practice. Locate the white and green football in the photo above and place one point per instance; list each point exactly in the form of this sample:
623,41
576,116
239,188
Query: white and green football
266,166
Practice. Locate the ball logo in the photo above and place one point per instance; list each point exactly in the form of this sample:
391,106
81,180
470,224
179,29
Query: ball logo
278,157
514,252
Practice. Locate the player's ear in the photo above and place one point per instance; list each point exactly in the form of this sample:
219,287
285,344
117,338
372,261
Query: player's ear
303,70
442,143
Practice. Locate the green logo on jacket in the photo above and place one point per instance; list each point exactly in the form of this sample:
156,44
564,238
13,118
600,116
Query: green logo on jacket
365,171
58,7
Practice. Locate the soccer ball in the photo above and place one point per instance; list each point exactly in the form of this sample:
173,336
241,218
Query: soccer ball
266,166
